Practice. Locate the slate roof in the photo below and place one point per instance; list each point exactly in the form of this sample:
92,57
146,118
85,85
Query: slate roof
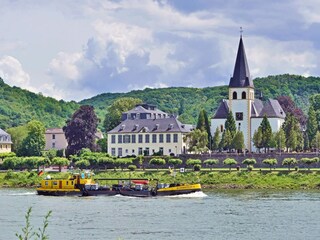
140,109
5,137
271,108
54,130
222,110
241,75
160,125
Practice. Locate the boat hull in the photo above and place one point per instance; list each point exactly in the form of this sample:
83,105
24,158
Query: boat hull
134,193
178,190
58,193
100,193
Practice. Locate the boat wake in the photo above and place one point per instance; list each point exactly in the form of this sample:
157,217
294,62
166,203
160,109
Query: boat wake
22,194
190,195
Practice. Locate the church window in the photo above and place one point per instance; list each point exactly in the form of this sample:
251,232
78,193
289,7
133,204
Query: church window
234,95
221,128
239,116
239,126
244,95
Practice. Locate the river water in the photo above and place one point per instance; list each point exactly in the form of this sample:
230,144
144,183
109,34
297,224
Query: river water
227,214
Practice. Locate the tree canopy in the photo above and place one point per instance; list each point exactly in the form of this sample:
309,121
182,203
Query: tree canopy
80,130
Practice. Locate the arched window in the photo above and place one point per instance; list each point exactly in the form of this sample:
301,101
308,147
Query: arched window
234,95
221,128
244,95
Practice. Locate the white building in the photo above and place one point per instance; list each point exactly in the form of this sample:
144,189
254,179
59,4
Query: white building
55,139
5,142
146,130
248,111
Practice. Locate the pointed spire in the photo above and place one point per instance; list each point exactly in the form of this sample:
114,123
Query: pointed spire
241,75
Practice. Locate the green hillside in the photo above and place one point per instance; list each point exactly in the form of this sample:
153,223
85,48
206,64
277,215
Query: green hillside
18,106
187,102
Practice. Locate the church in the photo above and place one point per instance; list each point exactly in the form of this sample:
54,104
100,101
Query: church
248,111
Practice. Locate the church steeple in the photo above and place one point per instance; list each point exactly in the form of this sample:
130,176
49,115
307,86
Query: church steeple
241,75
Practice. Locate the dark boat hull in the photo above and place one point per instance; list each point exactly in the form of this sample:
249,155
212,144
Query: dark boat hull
133,193
100,193
58,193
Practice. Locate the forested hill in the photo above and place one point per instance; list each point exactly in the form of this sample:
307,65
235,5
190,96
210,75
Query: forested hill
18,106
187,102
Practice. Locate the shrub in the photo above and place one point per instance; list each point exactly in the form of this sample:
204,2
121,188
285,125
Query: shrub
289,162
157,162
197,167
175,161
211,162
249,161
270,161
230,162
132,167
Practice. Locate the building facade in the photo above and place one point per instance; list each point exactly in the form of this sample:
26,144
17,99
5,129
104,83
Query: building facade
146,130
55,139
248,111
5,142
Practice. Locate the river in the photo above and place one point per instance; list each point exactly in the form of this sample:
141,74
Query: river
218,214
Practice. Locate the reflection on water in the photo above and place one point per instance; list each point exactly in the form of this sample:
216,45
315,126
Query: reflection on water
216,214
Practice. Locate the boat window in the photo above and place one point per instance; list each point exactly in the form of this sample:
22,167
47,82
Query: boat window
55,183
46,183
67,182
71,182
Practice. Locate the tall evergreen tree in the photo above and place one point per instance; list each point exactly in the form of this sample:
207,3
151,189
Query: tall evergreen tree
80,130
226,140
238,141
312,124
280,139
203,124
266,131
292,131
230,124
257,139
216,139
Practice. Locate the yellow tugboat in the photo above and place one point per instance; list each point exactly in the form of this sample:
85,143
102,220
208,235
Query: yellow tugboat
62,187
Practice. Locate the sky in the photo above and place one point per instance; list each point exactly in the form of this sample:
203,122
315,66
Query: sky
77,49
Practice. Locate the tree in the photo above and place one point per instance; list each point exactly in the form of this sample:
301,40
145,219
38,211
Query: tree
280,139
114,112
82,163
238,141
249,162
194,163
266,131
270,161
312,124
289,162
34,162
158,162
105,161
257,138
18,134
34,143
230,124
203,124
230,162
291,127
123,162
309,161
103,144
80,130
316,142
175,161
226,140
211,162
197,141
60,161
216,139
289,107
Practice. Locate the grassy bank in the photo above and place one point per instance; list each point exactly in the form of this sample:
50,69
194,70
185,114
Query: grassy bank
214,180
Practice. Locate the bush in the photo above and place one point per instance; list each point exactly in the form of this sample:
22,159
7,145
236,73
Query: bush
132,167
197,167
250,168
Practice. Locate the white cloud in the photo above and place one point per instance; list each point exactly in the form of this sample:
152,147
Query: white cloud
13,74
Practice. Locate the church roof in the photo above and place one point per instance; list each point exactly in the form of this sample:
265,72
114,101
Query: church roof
222,110
241,75
272,108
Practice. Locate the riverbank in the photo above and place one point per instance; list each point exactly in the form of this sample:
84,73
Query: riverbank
209,180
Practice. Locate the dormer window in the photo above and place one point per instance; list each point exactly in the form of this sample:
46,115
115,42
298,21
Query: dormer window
234,95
